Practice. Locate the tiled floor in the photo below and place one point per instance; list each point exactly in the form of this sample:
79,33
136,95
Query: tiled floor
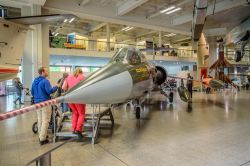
213,130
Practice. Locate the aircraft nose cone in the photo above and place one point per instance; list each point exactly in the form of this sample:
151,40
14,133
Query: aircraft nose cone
111,84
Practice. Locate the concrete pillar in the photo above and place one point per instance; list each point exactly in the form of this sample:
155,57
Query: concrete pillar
160,39
32,48
108,36
213,53
92,44
44,59
235,70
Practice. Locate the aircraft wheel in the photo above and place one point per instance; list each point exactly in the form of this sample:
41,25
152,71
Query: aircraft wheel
137,112
35,128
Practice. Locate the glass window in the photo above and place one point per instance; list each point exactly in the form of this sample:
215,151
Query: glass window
68,69
85,69
94,69
60,68
54,68
120,55
133,57
143,58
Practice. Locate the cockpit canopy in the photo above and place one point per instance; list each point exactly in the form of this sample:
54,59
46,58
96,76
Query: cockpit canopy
129,55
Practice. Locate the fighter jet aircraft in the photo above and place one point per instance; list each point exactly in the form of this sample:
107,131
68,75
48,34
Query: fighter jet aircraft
128,76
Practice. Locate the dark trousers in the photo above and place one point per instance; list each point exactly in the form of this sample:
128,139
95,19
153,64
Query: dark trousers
190,90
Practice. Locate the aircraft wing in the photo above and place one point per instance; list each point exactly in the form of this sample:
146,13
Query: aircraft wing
213,83
31,20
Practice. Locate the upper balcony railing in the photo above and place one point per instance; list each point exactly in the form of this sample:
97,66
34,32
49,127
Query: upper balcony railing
104,46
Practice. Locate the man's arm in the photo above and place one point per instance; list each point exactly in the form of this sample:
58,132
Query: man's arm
48,87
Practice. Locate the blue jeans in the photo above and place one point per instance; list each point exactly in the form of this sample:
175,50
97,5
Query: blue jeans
65,107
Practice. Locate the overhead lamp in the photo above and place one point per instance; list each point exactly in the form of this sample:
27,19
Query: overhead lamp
65,20
56,34
169,35
71,20
129,28
175,10
167,9
125,28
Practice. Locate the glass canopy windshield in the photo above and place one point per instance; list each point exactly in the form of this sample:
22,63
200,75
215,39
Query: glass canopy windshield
129,55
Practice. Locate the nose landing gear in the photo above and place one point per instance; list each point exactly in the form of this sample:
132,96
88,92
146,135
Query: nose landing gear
137,112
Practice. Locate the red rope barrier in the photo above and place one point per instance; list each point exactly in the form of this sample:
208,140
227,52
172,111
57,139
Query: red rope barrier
37,106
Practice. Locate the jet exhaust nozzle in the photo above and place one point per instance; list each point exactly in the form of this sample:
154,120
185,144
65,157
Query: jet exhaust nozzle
160,76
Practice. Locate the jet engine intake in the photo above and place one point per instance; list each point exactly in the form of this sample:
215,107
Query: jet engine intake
160,75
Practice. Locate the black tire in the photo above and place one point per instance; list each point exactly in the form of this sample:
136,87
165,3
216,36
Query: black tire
171,97
137,112
35,128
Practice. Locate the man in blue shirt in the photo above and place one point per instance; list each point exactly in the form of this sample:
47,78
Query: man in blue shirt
41,90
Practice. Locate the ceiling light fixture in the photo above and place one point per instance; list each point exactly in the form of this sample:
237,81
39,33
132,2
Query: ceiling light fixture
129,29
56,34
167,9
175,10
169,35
65,20
125,28
71,20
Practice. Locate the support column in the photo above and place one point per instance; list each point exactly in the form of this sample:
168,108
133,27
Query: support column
108,36
235,70
160,41
44,59
92,44
213,53
32,48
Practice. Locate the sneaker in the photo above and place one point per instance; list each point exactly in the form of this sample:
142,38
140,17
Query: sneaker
44,142
79,134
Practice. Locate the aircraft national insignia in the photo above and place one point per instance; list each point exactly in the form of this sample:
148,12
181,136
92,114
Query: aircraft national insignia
141,69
